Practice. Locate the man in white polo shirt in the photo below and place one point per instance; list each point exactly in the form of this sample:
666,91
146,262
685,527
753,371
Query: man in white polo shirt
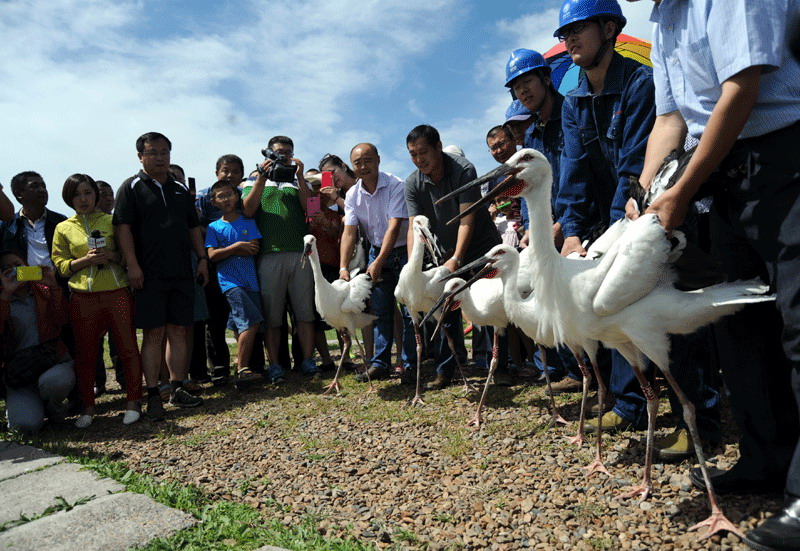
376,203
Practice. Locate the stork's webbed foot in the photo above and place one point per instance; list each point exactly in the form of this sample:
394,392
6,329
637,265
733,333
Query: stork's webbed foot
556,419
643,490
416,401
716,523
476,421
596,466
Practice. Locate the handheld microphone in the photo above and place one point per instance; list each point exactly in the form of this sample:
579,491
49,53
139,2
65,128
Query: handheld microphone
97,241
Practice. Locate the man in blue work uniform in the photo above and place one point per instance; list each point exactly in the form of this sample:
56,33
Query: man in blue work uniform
606,121
740,96
528,77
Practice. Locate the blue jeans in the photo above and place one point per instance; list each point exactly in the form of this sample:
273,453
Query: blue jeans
383,305
486,335
560,362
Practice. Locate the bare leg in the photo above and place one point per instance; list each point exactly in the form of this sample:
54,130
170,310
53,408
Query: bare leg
553,409
344,335
418,395
305,331
321,344
476,421
651,394
152,354
244,343
177,352
717,522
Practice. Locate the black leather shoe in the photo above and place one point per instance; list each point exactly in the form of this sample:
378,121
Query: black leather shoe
734,482
779,533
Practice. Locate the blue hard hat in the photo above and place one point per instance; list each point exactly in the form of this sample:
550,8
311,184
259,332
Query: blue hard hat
517,112
522,61
581,10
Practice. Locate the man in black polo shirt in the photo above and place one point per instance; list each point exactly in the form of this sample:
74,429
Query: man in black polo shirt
438,174
156,225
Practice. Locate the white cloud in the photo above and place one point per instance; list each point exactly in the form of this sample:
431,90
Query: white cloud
84,79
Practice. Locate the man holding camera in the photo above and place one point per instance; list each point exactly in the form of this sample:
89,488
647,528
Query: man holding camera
281,192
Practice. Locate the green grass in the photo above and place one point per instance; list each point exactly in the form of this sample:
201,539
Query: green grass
60,504
223,525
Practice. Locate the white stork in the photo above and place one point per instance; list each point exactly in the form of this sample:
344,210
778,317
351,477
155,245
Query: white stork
627,300
341,304
418,290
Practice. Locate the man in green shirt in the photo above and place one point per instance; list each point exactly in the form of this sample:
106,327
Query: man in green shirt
279,209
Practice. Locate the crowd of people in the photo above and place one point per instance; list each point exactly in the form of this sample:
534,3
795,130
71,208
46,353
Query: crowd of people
184,265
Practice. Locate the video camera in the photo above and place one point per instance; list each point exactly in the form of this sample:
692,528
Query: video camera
282,169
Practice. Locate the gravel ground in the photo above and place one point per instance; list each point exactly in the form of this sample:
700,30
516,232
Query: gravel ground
368,466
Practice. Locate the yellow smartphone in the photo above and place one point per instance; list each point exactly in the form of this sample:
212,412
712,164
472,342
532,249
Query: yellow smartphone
29,273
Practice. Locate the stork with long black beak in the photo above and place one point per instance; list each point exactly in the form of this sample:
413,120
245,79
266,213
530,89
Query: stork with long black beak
341,304
418,290
626,300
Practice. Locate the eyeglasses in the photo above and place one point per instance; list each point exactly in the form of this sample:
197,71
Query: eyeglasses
225,197
499,146
154,153
575,28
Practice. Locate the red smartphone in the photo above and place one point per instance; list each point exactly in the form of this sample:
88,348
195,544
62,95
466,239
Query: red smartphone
327,178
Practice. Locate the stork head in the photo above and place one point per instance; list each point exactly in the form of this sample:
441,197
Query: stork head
422,232
447,301
502,258
527,170
309,246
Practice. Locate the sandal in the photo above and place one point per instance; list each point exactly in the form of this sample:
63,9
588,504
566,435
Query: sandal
245,377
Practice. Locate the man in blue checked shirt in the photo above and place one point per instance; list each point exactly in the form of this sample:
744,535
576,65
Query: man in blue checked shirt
723,74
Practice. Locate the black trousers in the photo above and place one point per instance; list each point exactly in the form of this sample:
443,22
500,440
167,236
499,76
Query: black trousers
755,232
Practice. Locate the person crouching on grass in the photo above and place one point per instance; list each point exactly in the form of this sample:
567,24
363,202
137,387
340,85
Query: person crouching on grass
232,242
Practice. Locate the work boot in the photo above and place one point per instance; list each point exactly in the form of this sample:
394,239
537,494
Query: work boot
375,373
565,385
440,382
676,446
608,404
611,423
502,378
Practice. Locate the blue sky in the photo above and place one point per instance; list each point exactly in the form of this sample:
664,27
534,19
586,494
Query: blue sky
83,79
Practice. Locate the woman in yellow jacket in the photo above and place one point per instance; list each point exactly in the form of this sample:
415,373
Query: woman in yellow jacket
85,251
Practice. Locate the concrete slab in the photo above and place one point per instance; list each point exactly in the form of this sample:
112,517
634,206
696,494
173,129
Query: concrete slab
112,523
30,494
16,460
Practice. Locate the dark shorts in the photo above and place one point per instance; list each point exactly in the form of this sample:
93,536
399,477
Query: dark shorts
245,309
164,301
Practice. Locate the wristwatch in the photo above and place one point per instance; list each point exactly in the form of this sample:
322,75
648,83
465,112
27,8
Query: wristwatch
458,260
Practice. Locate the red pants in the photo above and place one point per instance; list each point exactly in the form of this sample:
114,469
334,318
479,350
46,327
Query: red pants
92,316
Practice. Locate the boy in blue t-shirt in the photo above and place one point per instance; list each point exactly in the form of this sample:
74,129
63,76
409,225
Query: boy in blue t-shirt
232,241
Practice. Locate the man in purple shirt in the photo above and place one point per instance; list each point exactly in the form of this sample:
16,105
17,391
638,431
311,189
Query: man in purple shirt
376,204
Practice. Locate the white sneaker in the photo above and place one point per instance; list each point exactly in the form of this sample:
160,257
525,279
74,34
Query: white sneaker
84,421
131,416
